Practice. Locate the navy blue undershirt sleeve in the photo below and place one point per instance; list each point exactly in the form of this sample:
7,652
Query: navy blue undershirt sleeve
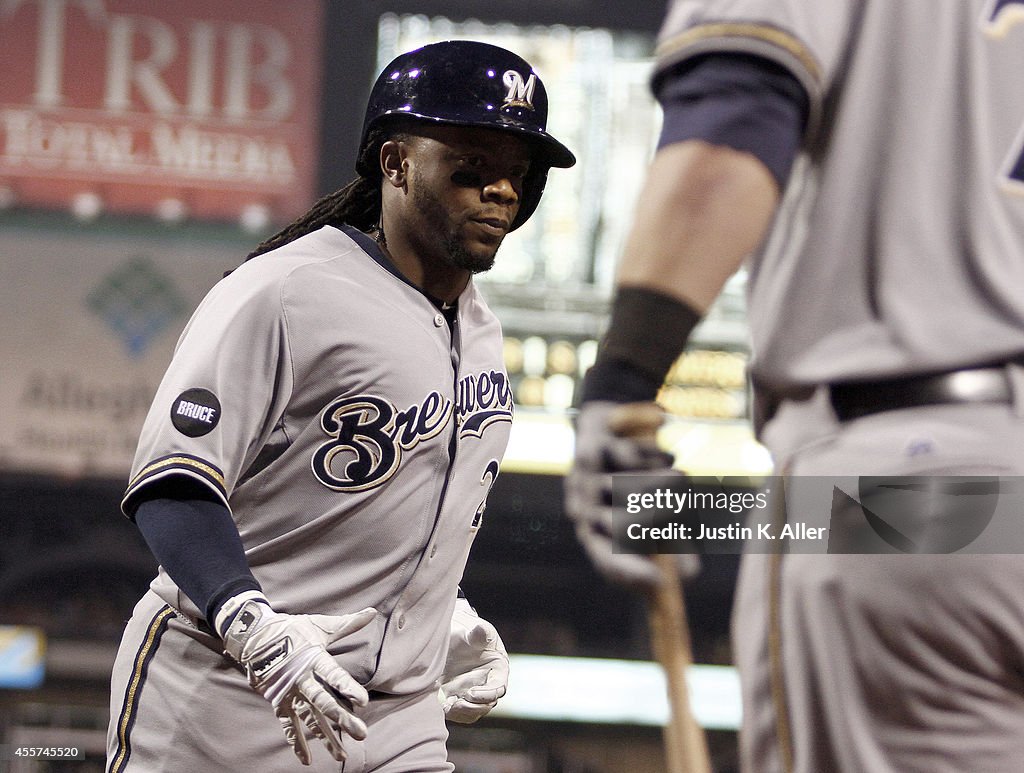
740,101
196,542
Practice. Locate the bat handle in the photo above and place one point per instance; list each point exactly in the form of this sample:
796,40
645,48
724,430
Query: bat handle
686,748
685,744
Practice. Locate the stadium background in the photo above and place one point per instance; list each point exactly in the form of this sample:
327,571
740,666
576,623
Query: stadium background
144,148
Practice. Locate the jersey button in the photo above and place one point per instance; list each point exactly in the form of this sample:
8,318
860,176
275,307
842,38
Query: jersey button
401,622
438,320
433,551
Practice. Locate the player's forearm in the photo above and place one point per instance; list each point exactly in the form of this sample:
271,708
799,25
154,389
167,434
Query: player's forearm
702,211
197,544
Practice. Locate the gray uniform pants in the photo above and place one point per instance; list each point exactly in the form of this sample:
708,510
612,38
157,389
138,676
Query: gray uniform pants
885,663
177,705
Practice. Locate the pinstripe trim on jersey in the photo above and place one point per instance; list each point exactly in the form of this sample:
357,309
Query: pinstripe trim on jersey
761,32
129,708
179,463
779,696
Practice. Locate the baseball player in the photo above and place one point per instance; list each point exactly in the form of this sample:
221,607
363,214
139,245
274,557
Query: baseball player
868,156
318,456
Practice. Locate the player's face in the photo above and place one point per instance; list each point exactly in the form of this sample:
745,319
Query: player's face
466,186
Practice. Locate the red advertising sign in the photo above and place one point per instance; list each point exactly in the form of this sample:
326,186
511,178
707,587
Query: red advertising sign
178,108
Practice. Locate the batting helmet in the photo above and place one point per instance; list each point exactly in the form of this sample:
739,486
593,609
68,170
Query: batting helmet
467,83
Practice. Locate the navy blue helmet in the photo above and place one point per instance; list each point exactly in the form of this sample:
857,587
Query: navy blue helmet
467,83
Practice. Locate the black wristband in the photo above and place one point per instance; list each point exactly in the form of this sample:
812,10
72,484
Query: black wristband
647,333
228,590
619,382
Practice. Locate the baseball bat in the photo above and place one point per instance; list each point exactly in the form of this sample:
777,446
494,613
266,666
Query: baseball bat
686,749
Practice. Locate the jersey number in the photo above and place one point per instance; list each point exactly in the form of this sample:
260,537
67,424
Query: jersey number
486,482
1000,17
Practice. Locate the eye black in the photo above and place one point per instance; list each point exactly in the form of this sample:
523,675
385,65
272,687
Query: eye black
467,179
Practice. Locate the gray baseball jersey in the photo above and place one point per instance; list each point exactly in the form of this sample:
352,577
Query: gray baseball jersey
899,249
353,433
928,184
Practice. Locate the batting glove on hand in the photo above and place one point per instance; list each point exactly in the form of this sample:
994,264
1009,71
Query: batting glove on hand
286,660
476,672
616,438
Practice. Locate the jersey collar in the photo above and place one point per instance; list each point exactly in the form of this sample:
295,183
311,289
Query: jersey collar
371,248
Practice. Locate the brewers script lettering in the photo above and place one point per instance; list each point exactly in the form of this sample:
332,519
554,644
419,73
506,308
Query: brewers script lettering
368,434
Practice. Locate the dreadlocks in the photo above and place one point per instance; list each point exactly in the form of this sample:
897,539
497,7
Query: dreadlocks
357,204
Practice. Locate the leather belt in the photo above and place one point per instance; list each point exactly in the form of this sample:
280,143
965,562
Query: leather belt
853,400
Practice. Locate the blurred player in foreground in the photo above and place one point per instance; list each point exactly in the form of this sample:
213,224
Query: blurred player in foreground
868,157
317,459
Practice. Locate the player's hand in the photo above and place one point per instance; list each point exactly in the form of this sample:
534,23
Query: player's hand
286,659
615,438
476,672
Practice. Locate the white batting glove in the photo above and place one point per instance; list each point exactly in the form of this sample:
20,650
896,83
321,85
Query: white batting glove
476,671
605,446
286,660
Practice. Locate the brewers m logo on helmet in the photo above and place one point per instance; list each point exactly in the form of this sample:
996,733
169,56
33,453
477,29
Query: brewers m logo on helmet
520,92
